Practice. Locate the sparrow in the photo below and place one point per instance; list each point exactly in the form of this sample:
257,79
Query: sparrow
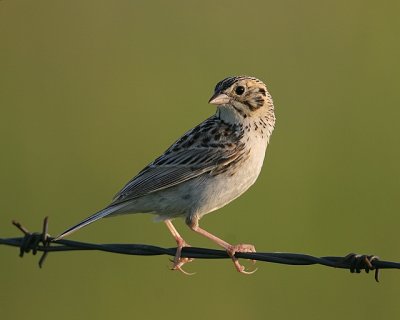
208,167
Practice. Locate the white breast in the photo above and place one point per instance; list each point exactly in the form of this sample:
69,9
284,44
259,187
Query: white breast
225,187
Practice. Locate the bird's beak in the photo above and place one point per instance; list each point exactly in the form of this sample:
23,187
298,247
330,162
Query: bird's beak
219,98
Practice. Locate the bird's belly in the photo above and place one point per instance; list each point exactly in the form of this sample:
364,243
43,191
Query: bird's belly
211,192
226,187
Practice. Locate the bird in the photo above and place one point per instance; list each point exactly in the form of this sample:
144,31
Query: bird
207,168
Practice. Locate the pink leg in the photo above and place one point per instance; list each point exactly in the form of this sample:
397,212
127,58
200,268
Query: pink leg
230,249
178,261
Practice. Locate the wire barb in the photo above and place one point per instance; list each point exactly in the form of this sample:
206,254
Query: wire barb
31,241
360,262
43,242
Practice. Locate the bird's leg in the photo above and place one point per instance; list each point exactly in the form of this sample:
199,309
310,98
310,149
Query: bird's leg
230,249
178,260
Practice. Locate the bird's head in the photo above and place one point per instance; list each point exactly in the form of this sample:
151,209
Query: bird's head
242,97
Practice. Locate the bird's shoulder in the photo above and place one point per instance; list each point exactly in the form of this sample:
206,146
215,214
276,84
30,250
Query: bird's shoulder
211,134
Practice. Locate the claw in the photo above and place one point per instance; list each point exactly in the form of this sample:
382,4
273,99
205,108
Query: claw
241,248
249,272
183,271
178,261
242,269
177,265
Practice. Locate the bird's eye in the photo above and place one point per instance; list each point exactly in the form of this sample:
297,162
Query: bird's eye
239,90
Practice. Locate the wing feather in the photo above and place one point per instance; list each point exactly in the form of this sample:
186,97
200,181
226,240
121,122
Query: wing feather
207,148
174,169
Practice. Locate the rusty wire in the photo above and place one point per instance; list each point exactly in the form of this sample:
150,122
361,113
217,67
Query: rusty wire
34,242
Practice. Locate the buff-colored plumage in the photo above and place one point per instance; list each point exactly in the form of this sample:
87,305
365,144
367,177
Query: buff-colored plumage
205,169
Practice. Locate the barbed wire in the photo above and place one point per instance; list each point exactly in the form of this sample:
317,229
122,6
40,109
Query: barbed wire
42,242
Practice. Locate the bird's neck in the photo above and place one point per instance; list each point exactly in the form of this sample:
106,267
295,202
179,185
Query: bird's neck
260,123
229,115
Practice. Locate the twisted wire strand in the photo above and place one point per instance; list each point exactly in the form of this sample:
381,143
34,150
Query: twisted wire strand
42,242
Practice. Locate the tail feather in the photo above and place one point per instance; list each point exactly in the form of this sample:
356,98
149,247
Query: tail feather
89,220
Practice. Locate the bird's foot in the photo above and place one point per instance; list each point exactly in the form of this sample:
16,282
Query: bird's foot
178,261
241,248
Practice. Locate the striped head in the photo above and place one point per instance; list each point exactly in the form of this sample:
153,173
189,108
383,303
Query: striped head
242,97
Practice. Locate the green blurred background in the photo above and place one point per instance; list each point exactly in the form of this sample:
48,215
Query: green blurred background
92,91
